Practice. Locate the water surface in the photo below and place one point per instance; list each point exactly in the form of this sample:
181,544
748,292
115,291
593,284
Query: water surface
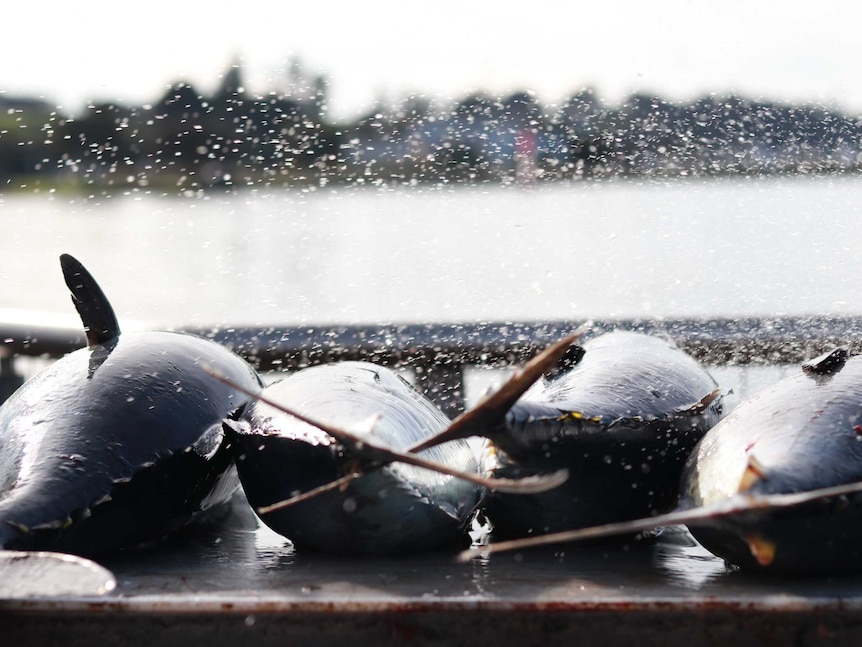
613,249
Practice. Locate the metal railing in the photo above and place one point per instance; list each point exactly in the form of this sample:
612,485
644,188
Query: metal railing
439,353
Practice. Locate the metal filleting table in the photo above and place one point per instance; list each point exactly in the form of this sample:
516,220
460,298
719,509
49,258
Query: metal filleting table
229,581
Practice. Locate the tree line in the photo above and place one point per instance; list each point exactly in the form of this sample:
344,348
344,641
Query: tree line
193,141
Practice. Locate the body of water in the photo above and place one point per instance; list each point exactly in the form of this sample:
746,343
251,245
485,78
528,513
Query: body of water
615,249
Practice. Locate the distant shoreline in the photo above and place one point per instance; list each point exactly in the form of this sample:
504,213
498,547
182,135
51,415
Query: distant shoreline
187,142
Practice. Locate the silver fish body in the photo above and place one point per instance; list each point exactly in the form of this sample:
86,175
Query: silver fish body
802,434
397,508
622,420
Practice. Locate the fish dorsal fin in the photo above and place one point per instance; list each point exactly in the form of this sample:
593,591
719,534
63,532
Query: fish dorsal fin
97,315
828,363
486,416
701,405
372,456
571,358
715,514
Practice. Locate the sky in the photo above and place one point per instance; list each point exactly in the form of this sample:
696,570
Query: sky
75,53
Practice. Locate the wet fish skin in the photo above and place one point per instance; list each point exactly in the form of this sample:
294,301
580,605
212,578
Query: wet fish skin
393,509
802,434
117,444
623,420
